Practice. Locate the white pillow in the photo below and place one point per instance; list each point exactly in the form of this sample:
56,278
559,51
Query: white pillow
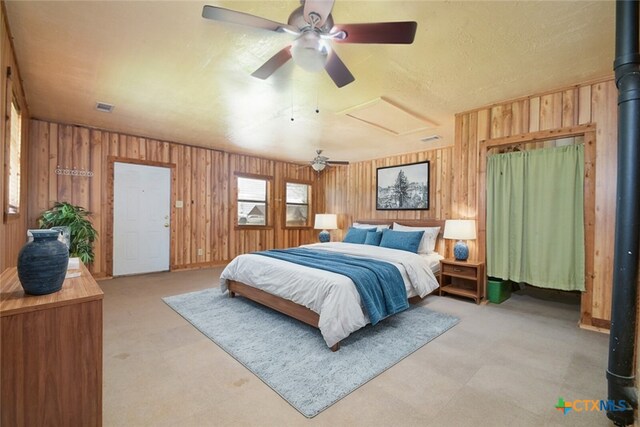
377,226
428,242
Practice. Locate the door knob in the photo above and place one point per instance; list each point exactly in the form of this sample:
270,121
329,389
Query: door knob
166,225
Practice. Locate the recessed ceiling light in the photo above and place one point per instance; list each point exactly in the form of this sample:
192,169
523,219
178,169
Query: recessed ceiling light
430,138
104,107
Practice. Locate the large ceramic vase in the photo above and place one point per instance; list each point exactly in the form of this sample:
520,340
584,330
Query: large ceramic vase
42,264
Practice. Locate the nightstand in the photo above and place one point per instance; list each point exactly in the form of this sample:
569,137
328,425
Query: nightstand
463,278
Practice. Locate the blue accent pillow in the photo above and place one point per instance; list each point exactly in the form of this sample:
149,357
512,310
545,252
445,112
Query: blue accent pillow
357,235
373,238
404,240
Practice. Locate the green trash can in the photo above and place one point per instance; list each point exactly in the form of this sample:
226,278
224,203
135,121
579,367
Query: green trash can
498,290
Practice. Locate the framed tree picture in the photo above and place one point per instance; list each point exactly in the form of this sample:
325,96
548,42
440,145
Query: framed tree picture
404,187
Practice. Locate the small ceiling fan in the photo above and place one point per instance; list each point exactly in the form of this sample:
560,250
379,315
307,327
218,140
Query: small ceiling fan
313,27
320,162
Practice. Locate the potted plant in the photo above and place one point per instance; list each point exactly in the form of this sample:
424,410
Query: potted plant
82,232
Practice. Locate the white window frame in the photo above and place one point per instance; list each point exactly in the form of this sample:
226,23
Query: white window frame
13,153
308,204
267,201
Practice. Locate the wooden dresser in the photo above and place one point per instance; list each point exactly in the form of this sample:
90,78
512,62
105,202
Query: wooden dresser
51,353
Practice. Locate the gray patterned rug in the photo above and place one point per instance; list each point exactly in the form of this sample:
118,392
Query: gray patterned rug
293,359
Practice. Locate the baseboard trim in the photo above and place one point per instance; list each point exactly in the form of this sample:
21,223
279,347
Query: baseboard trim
199,265
597,325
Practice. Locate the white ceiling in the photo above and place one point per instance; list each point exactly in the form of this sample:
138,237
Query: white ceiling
175,76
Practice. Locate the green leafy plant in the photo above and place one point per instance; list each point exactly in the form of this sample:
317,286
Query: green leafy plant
77,219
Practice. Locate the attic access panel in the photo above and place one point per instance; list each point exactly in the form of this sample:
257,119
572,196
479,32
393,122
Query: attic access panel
389,117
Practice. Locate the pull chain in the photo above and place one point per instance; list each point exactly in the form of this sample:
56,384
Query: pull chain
291,102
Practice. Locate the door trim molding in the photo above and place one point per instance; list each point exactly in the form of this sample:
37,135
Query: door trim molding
108,209
588,132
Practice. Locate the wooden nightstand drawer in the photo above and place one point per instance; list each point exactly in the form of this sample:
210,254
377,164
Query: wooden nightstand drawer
462,278
460,270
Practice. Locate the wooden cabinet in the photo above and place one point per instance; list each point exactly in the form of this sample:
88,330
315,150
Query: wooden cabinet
463,278
51,353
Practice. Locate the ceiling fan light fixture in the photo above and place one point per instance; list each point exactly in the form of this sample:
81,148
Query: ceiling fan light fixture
310,52
318,166
313,24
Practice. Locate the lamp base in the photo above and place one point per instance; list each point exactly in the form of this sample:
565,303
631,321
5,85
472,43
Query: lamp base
324,236
461,251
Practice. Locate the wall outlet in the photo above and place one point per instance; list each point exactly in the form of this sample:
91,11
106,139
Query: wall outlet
179,203
200,252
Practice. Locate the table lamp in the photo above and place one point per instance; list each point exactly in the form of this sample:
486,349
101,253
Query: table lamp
460,229
325,222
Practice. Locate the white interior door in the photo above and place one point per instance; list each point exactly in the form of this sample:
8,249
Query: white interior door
141,214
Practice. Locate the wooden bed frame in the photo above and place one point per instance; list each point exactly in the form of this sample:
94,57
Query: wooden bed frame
301,312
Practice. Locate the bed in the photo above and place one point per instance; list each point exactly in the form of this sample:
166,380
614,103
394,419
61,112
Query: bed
323,299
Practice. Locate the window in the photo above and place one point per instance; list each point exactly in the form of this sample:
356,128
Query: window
12,162
297,201
252,201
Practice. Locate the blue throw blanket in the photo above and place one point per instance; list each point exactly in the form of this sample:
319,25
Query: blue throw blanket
379,283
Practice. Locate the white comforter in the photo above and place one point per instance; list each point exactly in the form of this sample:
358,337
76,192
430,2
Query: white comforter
333,296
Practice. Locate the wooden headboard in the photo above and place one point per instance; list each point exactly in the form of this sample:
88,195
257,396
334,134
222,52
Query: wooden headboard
440,243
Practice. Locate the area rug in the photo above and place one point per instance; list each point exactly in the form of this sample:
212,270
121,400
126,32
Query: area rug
292,357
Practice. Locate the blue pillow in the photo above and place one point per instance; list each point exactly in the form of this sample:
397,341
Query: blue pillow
357,235
373,238
404,240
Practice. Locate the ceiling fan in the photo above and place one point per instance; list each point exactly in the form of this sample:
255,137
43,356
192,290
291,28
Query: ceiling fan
313,27
320,162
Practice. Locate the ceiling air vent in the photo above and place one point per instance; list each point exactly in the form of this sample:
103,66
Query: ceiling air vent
104,107
430,138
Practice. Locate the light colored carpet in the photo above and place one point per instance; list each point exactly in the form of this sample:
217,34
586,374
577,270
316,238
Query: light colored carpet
293,359
501,365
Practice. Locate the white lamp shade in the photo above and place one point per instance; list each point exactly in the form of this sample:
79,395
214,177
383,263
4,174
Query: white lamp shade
326,222
460,229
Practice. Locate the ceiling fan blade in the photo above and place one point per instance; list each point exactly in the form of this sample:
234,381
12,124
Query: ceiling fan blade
336,162
227,15
275,62
377,32
322,8
338,72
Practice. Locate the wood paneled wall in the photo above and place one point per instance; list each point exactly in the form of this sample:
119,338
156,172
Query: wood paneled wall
13,230
351,190
594,103
203,179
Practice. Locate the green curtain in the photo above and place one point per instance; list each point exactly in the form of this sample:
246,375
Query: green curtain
535,217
